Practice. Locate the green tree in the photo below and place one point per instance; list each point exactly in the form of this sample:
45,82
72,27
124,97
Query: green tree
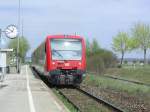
133,44
141,34
23,46
121,44
95,46
88,47
98,59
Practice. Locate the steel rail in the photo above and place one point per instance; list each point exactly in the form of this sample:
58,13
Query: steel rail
100,100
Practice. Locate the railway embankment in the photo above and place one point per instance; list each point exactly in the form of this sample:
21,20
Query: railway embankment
123,93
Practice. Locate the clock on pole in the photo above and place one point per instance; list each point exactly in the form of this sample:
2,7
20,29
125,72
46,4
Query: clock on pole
11,31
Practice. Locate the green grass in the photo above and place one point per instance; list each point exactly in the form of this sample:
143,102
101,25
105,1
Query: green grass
94,108
118,85
66,103
141,74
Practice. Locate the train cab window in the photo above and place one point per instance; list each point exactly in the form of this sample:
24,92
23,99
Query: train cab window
66,49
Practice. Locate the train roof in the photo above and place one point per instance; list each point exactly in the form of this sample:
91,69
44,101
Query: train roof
64,36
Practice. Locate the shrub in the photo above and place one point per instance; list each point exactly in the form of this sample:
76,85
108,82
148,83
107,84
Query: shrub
99,60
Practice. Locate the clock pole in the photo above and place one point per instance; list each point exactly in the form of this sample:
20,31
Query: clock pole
18,38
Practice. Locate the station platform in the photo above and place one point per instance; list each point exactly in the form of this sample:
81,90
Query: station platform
25,93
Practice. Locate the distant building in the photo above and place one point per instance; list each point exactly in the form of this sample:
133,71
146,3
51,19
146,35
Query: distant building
131,61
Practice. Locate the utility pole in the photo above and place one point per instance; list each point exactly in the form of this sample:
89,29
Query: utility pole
18,62
22,28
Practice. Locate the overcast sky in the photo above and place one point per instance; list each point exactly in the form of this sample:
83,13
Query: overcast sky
100,19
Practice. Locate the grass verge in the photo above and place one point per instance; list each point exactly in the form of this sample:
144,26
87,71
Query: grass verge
118,85
141,74
66,103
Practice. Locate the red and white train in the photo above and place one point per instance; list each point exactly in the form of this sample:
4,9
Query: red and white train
62,59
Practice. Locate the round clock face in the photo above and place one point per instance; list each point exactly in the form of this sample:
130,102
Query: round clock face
11,31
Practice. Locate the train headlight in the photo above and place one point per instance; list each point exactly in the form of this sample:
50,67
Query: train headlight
67,64
79,63
53,63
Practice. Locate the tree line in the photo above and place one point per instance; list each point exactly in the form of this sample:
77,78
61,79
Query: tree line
139,38
98,59
24,46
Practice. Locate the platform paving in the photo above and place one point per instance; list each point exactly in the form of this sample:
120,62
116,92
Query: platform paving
25,93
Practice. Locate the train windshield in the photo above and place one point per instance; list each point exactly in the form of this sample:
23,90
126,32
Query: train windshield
66,49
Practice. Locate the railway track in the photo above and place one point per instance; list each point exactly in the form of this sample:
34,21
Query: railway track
100,100
82,100
87,99
121,79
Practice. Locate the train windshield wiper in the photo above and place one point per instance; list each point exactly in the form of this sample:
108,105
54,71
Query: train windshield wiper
57,53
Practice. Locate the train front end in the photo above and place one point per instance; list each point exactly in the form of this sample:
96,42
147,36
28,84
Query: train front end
66,61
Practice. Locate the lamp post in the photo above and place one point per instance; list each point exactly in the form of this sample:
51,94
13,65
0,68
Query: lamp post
18,65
